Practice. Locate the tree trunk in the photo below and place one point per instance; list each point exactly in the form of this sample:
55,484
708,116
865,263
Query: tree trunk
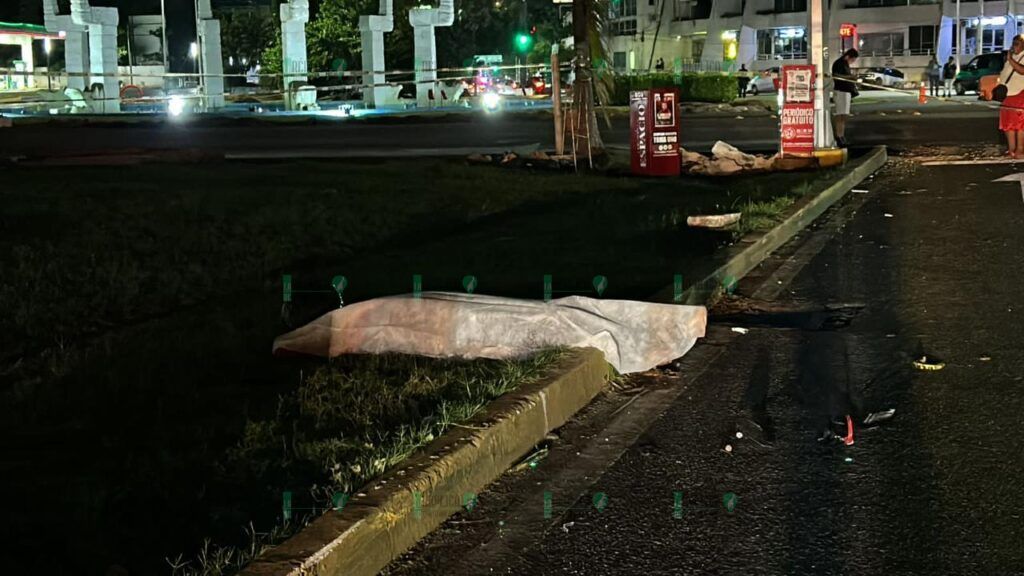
583,110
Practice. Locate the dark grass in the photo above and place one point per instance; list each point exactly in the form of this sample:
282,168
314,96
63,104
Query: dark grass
143,300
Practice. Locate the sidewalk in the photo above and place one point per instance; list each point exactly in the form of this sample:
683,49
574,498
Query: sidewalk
730,477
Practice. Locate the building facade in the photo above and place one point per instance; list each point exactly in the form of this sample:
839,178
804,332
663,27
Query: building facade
722,35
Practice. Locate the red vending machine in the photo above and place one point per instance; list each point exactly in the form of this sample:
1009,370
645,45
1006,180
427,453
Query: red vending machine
797,117
654,124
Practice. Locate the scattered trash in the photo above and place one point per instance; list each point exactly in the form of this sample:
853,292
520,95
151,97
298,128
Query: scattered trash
478,159
739,434
728,448
847,459
531,460
875,417
566,526
848,439
713,221
740,330
729,501
859,191
887,215
926,363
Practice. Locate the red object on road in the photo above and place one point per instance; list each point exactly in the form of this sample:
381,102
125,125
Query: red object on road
654,128
848,440
797,117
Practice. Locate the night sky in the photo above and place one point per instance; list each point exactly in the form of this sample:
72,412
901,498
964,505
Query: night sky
180,18
32,10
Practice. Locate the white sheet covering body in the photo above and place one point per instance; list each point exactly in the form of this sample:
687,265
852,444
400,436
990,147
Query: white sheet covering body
634,336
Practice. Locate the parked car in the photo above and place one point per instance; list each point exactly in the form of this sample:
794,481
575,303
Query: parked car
764,82
970,76
887,77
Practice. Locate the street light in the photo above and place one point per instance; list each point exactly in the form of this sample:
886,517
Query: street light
46,47
193,51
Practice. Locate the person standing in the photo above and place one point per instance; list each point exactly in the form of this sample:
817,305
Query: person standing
843,93
934,75
743,80
949,75
1011,113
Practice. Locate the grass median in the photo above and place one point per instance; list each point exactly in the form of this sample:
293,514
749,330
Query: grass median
136,379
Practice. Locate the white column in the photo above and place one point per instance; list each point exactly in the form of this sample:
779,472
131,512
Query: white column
424,20
823,137
747,47
294,16
26,56
102,26
213,61
945,43
371,30
76,44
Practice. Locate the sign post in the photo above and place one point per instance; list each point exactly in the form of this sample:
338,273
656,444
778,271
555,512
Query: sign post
654,127
797,118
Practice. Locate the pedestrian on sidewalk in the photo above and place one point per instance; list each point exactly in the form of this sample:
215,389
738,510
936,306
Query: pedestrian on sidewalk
934,75
948,76
743,80
1011,113
843,93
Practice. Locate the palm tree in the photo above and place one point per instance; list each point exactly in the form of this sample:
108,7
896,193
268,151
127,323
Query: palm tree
590,45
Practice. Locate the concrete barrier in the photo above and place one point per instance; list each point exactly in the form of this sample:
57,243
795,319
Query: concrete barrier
396,510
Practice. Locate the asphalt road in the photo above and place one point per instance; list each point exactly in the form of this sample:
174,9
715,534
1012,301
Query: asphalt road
465,133
654,480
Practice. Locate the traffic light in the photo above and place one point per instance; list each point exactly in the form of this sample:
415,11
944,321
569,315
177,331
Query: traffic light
524,42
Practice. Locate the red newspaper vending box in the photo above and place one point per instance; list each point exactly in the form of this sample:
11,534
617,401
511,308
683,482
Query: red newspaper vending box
654,124
797,118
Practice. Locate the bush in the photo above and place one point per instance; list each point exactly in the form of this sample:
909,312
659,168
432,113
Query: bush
692,87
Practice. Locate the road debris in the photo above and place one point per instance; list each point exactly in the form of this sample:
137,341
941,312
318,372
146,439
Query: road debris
876,417
859,191
887,215
713,220
929,363
531,461
848,439
740,330
984,358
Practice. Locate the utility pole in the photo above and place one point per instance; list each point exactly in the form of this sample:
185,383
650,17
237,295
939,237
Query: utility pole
823,137
163,33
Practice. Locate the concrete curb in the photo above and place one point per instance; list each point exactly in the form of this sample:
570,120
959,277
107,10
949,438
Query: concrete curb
397,510
751,250
406,504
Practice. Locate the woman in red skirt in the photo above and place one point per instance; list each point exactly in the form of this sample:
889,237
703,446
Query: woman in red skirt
1011,113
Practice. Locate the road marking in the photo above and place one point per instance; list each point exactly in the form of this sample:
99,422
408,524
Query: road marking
1018,177
970,162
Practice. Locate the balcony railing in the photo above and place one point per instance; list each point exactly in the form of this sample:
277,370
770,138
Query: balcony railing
887,3
786,56
894,53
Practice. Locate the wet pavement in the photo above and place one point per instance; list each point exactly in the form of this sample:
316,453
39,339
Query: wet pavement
717,465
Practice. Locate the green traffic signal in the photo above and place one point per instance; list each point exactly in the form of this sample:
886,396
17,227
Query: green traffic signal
523,41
